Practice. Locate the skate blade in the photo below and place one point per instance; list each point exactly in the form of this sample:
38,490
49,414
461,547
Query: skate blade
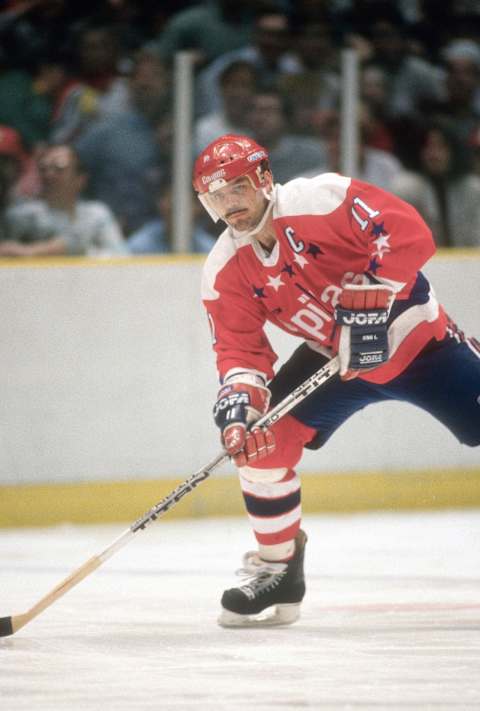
272,617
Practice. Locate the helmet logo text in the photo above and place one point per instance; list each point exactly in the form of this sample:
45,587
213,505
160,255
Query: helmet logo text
214,176
256,156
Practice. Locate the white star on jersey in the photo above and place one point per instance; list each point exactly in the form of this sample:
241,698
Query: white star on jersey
275,282
382,245
301,261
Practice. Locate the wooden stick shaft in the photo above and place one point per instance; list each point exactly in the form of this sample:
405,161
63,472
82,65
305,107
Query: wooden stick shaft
63,587
17,621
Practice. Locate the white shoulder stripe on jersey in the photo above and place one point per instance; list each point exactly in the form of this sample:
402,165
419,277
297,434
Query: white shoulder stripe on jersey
224,249
404,324
311,196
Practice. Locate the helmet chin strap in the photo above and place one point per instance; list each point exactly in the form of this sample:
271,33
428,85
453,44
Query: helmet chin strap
251,233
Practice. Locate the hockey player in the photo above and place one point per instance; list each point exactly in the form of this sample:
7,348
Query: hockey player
336,262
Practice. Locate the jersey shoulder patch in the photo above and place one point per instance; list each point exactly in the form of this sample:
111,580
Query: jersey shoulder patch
311,196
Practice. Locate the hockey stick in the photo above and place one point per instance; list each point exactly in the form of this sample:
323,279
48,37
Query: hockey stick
10,625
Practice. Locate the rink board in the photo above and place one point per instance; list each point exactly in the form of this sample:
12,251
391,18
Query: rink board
107,385
110,502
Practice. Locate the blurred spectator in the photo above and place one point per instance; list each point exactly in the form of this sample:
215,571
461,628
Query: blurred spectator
314,90
412,80
209,28
133,22
16,165
462,57
434,23
237,85
121,149
27,100
474,146
270,52
373,93
30,30
310,12
460,102
155,236
290,155
443,189
375,166
315,45
160,172
60,222
96,88
397,134
12,160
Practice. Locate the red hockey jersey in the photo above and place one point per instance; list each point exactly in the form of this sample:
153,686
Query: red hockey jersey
331,230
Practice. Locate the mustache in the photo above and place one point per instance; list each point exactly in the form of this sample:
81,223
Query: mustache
233,211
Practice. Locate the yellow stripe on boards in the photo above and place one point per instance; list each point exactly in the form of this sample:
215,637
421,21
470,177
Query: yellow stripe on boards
446,253
95,262
124,501
442,254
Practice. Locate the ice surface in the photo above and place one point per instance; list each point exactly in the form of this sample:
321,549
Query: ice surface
391,619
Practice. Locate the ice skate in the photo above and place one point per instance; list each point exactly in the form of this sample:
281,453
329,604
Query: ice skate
272,593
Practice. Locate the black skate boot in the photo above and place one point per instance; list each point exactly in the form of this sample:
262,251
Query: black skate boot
270,585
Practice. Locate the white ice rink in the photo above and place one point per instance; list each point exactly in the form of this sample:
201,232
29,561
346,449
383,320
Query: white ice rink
391,619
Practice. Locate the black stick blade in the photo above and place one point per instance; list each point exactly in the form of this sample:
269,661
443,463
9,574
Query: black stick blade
6,628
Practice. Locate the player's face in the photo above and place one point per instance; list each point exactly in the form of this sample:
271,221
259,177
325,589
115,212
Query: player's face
239,204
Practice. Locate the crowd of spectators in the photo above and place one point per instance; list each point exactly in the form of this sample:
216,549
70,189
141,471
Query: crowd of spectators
86,101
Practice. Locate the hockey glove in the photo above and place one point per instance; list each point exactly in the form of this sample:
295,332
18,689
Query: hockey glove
361,315
238,406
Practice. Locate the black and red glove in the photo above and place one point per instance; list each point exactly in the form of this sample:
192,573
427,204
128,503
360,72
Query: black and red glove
361,315
238,406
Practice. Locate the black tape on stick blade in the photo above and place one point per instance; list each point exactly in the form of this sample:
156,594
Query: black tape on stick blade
5,626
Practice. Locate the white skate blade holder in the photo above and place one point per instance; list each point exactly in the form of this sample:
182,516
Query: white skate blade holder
274,616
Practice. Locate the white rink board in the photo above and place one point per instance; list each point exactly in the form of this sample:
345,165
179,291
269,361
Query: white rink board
107,374
390,620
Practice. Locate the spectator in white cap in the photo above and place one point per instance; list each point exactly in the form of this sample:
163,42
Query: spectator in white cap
462,57
460,104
